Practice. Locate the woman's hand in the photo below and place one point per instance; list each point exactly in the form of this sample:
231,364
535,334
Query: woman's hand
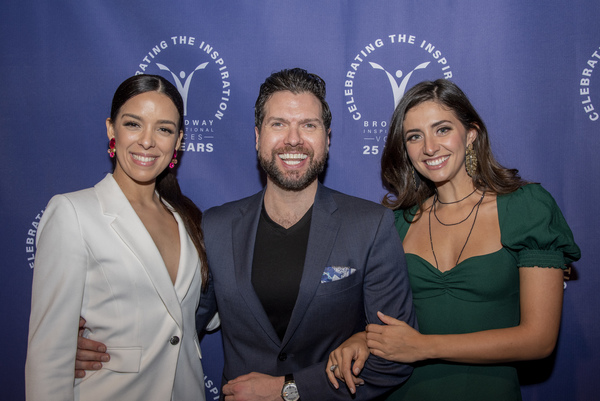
339,365
396,341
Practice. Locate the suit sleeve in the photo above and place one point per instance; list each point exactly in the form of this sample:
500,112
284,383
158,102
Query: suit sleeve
386,288
206,317
58,285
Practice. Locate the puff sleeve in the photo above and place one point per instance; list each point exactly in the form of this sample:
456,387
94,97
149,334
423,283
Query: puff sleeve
534,229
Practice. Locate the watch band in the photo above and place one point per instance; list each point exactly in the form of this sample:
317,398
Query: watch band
289,378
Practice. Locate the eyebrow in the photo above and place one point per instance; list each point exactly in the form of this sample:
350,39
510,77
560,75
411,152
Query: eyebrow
304,121
136,117
441,122
435,124
311,120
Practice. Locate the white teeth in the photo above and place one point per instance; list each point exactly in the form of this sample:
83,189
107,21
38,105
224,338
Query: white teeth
292,159
300,156
437,162
144,159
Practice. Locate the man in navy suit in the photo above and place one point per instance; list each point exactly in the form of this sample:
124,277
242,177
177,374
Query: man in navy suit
298,268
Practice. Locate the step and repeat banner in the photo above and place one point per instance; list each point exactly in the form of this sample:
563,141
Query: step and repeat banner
532,69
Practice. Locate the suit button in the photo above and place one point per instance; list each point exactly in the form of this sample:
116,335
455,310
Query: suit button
282,357
174,340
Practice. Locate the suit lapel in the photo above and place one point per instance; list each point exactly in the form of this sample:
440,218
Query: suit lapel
134,235
324,227
244,236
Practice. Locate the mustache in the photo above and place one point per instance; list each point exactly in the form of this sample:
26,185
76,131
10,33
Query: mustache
297,149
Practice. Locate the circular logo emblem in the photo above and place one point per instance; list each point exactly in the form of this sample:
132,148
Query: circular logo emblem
379,75
200,73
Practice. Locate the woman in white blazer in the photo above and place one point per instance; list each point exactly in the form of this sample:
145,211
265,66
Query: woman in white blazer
128,256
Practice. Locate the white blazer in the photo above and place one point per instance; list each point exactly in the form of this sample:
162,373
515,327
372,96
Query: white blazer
96,259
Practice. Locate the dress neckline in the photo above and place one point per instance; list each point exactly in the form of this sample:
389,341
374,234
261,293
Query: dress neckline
459,265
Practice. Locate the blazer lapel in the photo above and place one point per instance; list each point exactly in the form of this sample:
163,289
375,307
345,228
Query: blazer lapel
244,236
134,235
188,261
324,227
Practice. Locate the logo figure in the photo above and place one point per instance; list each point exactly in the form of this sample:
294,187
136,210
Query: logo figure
398,90
183,89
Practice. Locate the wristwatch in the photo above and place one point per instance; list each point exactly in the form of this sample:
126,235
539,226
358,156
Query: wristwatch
289,392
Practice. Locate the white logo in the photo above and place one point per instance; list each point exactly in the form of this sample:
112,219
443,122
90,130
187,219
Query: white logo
584,86
30,247
393,64
185,88
398,90
201,75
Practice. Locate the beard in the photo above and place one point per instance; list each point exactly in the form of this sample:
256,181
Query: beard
292,180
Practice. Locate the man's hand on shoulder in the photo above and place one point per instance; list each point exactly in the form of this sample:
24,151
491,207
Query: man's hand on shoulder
254,387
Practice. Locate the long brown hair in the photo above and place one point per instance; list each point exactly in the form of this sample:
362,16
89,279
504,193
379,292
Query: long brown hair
167,185
397,172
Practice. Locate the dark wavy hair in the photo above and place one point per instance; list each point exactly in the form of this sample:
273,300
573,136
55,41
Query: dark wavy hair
397,170
295,80
167,185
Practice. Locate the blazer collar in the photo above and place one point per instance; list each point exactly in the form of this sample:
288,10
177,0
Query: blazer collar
244,237
323,231
324,227
133,233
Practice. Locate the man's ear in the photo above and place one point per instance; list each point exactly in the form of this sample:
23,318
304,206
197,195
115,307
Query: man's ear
256,134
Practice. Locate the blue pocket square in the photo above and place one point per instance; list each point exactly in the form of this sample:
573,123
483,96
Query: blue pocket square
334,273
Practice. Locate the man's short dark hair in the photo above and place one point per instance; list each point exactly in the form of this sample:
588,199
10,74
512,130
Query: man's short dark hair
295,80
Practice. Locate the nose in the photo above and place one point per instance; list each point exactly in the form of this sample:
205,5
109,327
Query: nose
430,145
294,136
146,138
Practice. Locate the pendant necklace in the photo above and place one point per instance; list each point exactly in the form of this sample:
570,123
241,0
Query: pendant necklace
476,208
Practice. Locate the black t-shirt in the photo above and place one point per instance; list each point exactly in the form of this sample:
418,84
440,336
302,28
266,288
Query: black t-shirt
277,267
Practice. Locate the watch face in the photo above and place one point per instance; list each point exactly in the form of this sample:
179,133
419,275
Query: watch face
290,392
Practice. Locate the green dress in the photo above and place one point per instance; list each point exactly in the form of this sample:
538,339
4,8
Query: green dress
482,293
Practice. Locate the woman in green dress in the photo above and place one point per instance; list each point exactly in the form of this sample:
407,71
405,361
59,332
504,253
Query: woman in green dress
485,252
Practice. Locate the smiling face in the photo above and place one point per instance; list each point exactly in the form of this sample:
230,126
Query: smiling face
292,143
146,133
436,142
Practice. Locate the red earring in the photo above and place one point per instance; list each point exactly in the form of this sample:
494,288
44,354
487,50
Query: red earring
111,148
173,160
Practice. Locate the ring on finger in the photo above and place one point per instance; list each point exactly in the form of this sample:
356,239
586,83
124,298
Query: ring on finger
333,367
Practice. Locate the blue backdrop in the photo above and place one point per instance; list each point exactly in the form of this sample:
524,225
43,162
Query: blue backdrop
530,68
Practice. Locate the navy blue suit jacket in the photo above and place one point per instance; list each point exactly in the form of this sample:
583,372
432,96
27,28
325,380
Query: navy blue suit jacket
345,231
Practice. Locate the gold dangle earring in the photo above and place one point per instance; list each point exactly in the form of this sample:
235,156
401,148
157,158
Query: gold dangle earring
471,161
